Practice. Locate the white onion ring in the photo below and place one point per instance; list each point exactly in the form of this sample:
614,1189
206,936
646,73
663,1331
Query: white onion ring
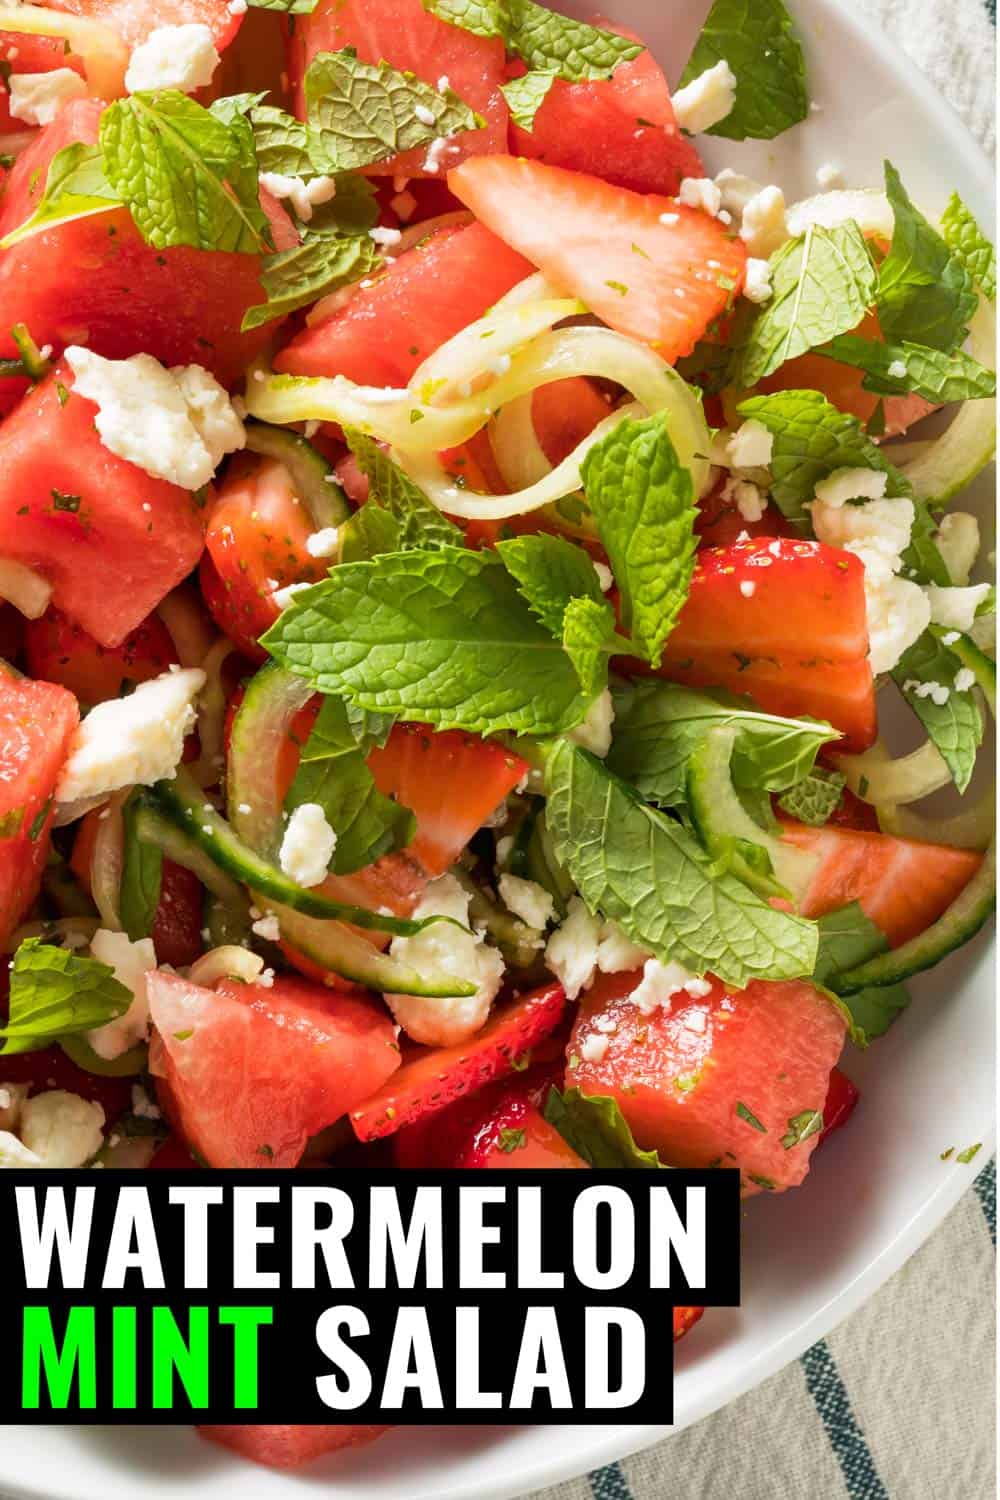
230,961
26,589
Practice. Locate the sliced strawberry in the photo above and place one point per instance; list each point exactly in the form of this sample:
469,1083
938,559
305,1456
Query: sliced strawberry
59,651
451,781
404,34
389,327
621,128
611,248
902,885
432,1077
288,1447
841,1098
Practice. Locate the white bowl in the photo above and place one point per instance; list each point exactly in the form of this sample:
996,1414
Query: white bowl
877,1190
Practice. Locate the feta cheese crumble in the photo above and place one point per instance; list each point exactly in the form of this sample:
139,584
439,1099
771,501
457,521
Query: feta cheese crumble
594,733
284,597
594,1047
757,287
131,963
707,99
751,446
445,1022
765,228
957,540
829,176
965,678
527,900
36,98
616,951
955,608
851,484
605,577
897,369
303,196
737,190
308,845
700,192
572,950
177,424
268,928
661,982
324,543
61,1129
173,57
132,741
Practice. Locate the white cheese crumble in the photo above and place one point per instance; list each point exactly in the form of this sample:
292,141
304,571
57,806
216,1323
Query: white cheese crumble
897,369
177,424
284,597
303,196
750,446
385,236
851,484
764,228
324,543
605,577
308,845
955,608
594,1047
757,287
132,741
594,733
748,588
446,1022
700,192
750,501
527,900
616,952
737,190
173,57
965,678
957,540
268,928
660,982
707,99
829,176
435,154
62,1129
937,692
36,98
131,963
572,950
424,115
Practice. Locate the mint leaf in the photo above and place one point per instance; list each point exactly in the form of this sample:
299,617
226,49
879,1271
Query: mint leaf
641,869
812,439
824,283
929,373
922,560
230,106
847,938
420,523
587,632
925,293
333,773
354,209
801,1127
53,993
281,142
955,726
187,178
369,532
142,871
297,277
361,113
441,637
642,501
480,17
550,571
547,41
526,95
595,1127
659,724
340,731
76,187
815,799
756,38
965,239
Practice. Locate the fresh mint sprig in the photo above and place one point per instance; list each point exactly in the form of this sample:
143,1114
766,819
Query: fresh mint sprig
758,41
54,993
925,291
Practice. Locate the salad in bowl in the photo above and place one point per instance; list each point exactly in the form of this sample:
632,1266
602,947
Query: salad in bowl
462,562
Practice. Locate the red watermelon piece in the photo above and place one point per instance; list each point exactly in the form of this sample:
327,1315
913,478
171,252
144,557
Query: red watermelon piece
390,327
288,1447
31,54
714,1081
135,19
37,722
250,1073
405,35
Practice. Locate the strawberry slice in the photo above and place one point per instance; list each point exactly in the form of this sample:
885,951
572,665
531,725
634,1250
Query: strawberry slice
432,1077
841,1097
59,651
621,128
902,885
288,1447
646,265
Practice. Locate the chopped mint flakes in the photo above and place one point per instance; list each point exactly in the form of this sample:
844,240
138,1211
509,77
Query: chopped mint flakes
751,1119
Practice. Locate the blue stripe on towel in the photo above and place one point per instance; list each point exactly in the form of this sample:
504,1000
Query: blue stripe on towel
609,1483
833,1404
986,1192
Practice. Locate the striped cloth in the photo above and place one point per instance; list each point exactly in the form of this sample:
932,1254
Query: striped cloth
899,1402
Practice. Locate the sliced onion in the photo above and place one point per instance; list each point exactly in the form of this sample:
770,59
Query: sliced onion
188,625
108,861
212,716
519,455
877,778
227,962
868,207
27,590
484,348
971,828
71,812
104,54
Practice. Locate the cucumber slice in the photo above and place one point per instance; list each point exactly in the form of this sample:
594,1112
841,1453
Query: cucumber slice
129,1064
153,828
516,940
761,861
312,476
260,730
335,947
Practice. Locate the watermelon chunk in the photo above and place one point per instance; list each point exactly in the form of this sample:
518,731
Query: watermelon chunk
902,885
37,722
425,297
714,1081
405,35
135,19
250,1073
112,540
95,281
288,1447
31,54
647,265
